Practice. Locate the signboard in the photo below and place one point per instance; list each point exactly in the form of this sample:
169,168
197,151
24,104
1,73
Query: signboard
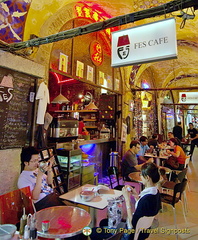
147,43
188,97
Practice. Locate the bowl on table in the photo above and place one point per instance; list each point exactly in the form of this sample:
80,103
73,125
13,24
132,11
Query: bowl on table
7,231
87,195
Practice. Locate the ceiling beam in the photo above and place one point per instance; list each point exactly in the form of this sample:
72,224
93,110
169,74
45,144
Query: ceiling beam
162,89
163,9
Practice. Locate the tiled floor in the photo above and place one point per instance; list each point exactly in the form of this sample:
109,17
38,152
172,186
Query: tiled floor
166,218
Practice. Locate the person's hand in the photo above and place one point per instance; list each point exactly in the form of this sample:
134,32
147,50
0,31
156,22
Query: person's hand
168,151
151,147
150,160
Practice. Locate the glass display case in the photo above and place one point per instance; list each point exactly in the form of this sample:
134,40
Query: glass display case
70,163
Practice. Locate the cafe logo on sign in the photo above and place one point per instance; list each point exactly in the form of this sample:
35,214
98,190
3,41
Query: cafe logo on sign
6,88
183,97
123,47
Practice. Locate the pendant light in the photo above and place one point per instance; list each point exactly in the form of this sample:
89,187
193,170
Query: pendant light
60,98
91,105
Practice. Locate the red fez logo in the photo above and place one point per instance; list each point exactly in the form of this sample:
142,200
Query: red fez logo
123,47
183,97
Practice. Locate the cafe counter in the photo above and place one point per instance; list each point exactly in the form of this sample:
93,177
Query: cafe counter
96,151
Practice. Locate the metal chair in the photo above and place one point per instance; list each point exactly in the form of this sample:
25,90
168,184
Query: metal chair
185,166
169,185
114,178
172,200
143,223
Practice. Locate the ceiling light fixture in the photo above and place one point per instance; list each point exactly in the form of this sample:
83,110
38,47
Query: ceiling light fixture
60,98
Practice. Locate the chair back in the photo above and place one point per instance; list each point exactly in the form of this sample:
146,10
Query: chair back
143,223
179,188
181,175
113,172
12,204
116,236
187,161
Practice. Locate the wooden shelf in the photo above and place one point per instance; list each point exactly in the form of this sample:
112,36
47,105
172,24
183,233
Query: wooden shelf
90,120
69,111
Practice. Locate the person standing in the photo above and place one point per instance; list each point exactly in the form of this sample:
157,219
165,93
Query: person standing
177,131
130,162
193,137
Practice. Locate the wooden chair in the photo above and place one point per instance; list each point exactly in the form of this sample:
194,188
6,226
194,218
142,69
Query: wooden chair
143,223
12,204
172,200
169,185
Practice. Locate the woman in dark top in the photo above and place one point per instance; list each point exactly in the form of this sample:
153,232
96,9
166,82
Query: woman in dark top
148,202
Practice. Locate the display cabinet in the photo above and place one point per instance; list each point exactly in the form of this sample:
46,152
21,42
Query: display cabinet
59,182
70,163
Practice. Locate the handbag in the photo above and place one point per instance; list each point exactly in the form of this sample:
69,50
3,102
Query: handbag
172,161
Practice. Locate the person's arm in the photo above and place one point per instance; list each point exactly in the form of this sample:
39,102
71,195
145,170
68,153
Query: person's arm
127,191
138,167
37,189
49,171
194,137
174,154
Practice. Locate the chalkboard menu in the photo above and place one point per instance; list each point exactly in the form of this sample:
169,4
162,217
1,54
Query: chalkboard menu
16,108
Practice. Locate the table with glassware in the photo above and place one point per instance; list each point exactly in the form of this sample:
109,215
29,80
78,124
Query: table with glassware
158,159
64,221
99,201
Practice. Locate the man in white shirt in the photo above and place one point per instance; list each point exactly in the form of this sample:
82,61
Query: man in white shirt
39,182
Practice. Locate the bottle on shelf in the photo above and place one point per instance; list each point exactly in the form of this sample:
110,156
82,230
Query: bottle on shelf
104,132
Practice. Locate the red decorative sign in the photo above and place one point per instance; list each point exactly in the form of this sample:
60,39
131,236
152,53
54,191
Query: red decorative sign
96,53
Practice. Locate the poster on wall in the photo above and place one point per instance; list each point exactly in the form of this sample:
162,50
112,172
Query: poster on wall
89,73
124,132
79,69
109,82
117,85
101,78
63,62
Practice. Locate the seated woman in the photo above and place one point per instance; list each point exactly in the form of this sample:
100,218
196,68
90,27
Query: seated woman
148,203
178,153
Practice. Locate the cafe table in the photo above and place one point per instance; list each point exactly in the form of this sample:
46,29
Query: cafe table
65,221
135,176
100,201
158,159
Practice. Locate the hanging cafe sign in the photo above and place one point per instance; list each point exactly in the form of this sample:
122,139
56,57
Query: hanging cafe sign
147,43
188,97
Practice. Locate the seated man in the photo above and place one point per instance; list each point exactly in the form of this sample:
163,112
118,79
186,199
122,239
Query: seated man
42,194
171,135
143,149
153,141
130,162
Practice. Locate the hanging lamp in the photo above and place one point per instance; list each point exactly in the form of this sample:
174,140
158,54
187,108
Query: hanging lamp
60,98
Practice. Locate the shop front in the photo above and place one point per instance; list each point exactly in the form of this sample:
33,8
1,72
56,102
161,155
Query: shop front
84,87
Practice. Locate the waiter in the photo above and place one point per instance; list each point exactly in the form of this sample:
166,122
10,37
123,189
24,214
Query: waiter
193,137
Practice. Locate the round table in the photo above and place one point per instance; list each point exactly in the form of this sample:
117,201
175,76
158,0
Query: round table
65,221
135,176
